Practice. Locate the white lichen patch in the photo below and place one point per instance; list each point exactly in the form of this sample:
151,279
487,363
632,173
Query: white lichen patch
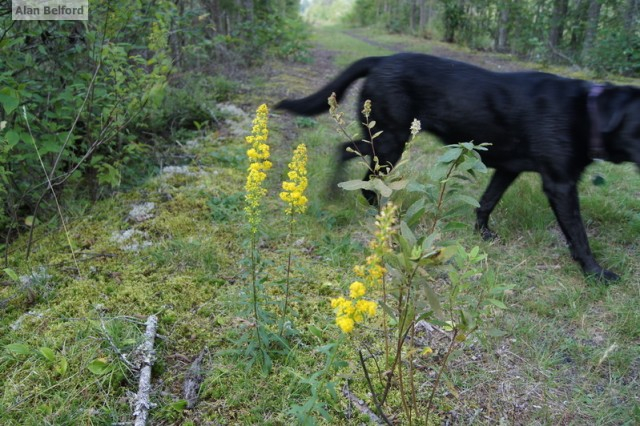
236,120
141,212
177,170
131,240
31,314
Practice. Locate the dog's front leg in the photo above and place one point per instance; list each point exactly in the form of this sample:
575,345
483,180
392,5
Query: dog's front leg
563,197
500,181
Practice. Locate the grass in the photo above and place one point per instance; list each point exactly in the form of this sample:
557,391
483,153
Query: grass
571,354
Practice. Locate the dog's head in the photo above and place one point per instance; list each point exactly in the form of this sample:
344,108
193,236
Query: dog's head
619,110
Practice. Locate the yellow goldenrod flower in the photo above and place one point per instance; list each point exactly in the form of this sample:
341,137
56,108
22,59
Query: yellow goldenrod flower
258,156
293,193
357,290
367,307
345,323
352,311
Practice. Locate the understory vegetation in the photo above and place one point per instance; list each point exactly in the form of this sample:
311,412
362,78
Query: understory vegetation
141,179
601,35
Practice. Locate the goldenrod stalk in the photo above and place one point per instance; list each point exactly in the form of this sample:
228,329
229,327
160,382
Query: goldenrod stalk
293,195
258,164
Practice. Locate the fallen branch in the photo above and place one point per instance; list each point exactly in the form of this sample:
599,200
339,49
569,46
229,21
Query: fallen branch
193,380
142,402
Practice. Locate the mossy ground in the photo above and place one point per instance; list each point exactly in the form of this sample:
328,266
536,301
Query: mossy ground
571,354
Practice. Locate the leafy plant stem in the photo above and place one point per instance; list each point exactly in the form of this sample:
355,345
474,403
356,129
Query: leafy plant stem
412,385
439,375
441,198
287,282
385,326
254,286
372,390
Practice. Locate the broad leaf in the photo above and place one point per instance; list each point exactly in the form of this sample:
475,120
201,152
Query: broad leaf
352,185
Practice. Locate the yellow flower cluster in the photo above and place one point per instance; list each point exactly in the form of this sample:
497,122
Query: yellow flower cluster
258,164
294,188
353,310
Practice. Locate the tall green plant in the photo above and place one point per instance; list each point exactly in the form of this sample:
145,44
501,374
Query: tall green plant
399,272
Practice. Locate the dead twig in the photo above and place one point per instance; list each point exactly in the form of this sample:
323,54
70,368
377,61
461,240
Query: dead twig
142,402
193,380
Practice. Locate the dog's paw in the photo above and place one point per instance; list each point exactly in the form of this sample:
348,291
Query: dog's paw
486,233
603,276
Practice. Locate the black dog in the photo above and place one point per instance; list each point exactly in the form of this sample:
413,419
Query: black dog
535,122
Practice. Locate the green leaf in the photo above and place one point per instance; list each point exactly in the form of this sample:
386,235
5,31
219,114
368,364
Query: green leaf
390,312
407,234
99,366
18,348
47,353
455,226
466,199
11,273
432,298
467,145
452,154
398,185
352,185
381,188
62,366
376,134
9,99
178,405
13,138
315,331
497,303
495,332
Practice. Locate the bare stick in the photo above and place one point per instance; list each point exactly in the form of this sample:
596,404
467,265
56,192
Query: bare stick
142,403
193,380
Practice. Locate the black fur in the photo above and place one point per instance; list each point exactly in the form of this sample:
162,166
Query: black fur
534,121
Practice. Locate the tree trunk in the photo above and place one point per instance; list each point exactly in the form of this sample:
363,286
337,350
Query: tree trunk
503,29
592,26
558,19
633,8
424,17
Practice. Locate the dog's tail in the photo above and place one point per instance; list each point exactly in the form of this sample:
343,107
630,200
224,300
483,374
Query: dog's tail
317,103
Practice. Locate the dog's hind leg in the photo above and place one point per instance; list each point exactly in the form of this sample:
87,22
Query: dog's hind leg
563,197
500,181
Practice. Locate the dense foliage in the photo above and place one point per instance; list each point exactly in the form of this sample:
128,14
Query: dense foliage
601,34
81,101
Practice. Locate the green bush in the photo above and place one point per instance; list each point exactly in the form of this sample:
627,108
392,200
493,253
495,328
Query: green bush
83,100
617,52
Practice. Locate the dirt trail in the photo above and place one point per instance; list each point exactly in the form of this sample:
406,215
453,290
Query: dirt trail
487,60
